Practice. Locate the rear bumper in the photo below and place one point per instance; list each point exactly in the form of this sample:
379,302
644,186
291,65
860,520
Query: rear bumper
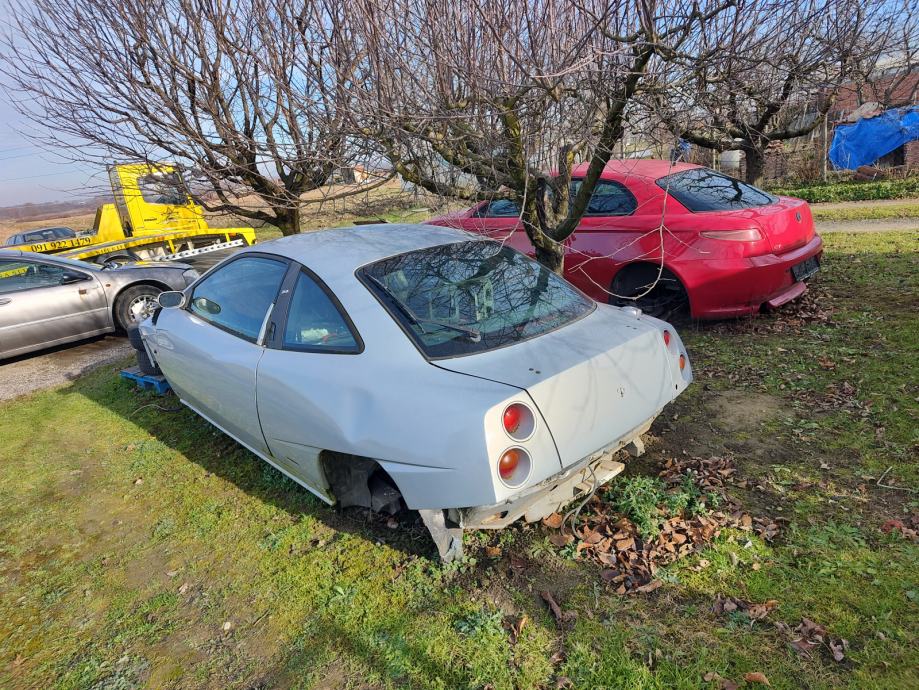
554,493
726,288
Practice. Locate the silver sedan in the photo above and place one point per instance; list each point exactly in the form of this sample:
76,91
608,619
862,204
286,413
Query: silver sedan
412,366
47,300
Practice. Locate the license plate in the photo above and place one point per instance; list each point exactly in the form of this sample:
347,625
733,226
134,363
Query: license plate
805,269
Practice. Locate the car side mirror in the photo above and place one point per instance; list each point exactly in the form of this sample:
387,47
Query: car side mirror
71,278
171,299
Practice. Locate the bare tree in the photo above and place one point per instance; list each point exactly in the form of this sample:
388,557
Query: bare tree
764,73
213,86
487,99
888,71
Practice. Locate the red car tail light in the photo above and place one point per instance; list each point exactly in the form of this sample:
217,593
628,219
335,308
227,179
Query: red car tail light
508,463
519,421
667,338
748,235
682,362
514,467
512,416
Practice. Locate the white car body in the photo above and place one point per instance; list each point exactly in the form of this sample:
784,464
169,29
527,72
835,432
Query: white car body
433,425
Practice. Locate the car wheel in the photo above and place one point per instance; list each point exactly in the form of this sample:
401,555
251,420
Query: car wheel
135,304
146,365
115,259
134,337
666,298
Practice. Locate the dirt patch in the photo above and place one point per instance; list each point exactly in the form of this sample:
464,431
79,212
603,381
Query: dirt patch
743,411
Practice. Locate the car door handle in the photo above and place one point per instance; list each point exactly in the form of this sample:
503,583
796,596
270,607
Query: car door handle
5,300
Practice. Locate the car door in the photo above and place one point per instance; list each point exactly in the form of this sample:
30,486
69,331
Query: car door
210,349
313,344
43,303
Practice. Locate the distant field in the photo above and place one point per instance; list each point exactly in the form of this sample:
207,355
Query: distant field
388,203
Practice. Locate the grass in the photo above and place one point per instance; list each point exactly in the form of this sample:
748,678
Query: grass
853,190
141,547
867,211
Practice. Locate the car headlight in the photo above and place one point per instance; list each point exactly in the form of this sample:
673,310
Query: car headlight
190,276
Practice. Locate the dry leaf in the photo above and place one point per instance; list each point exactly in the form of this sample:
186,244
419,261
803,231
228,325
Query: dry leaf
493,551
756,677
553,521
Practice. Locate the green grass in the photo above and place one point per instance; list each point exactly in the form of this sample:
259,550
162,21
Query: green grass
129,536
853,190
868,211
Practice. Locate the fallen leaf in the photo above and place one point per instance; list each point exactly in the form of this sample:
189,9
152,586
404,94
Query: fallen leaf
838,648
172,573
553,521
493,551
756,677
650,587
183,588
227,626
560,539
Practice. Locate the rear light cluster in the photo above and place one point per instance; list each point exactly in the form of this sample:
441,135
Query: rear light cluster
514,465
746,235
681,358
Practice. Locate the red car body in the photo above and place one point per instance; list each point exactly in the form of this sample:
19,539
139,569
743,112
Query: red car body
730,261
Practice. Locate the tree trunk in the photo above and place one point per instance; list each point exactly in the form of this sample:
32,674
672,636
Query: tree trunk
755,161
288,220
552,256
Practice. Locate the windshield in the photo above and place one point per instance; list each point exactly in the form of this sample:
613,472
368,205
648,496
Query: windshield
701,189
163,188
473,296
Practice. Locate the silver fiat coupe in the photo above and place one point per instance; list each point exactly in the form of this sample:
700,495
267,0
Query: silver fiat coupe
405,366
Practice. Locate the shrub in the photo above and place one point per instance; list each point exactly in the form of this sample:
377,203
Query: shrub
853,191
646,502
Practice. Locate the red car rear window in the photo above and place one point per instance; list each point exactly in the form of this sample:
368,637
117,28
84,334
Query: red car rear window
701,189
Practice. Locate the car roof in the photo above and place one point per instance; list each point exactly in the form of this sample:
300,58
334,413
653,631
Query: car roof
349,248
649,168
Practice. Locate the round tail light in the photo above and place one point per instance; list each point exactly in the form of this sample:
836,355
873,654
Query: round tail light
682,362
519,421
508,463
667,338
514,467
512,417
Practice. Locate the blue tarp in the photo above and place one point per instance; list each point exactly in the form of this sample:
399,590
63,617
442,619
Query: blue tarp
868,139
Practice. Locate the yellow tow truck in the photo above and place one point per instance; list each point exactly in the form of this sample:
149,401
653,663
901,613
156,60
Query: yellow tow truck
153,218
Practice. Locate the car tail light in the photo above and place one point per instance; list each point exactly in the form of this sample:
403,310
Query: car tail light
682,362
514,467
508,463
512,416
667,338
747,235
519,421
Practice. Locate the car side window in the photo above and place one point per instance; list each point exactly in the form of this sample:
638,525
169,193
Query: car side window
236,297
315,322
26,275
500,208
609,199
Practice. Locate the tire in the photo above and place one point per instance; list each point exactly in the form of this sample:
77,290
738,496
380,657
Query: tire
118,258
134,304
137,342
146,366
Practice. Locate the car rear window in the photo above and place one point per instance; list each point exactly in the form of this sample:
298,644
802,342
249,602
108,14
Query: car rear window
701,189
469,297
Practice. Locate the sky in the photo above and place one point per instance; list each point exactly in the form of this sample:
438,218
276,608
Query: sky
29,174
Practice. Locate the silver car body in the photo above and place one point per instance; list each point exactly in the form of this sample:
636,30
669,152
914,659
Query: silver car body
434,425
42,312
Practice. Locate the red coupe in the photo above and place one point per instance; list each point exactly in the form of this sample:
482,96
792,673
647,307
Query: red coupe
729,249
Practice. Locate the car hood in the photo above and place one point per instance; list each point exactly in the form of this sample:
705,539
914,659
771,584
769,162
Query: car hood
594,381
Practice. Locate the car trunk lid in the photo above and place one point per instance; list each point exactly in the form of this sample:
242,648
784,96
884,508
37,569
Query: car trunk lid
593,381
786,225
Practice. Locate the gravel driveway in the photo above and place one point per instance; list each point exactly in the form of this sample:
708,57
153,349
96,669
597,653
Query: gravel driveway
58,366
